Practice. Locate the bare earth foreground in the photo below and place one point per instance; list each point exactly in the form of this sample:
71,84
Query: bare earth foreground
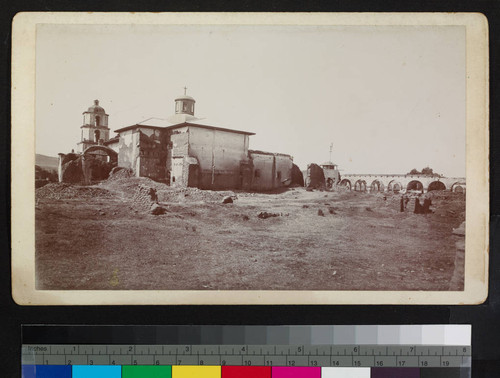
102,237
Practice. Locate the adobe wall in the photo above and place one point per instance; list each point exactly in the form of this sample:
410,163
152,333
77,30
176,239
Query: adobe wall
284,164
270,171
219,154
263,171
70,168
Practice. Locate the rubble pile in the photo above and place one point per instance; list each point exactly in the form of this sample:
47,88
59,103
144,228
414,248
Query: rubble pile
265,215
172,194
129,186
61,190
448,205
145,197
120,173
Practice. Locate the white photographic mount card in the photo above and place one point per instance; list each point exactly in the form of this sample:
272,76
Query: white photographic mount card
380,97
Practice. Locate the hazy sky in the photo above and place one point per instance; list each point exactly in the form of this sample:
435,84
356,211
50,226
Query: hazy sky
389,98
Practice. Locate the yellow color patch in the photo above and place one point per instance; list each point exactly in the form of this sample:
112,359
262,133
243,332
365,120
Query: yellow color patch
196,371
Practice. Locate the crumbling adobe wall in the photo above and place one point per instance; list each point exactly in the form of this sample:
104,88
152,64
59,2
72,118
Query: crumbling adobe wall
297,177
191,171
315,177
177,149
128,150
95,169
284,166
270,170
153,151
76,168
70,168
187,174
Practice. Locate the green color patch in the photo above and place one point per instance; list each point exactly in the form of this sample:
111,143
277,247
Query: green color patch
136,371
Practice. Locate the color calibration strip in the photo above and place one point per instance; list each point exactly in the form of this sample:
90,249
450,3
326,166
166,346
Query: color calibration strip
86,371
401,351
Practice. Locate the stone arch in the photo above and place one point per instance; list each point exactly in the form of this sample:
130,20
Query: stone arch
95,165
458,187
436,185
377,186
113,155
360,186
394,186
346,183
415,185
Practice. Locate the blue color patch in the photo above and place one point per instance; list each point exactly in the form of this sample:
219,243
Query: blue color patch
95,371
46,371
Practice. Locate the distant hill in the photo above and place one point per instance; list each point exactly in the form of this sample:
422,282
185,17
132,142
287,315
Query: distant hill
47,162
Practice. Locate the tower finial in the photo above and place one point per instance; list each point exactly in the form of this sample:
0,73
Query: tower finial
185,89
96,102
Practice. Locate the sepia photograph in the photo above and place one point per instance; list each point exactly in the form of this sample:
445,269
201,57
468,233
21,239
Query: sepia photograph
243,158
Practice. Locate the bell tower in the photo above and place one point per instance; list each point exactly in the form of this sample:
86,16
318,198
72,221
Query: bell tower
95,128
184,104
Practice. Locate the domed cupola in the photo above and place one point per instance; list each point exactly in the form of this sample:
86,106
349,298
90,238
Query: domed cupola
96,108
184,104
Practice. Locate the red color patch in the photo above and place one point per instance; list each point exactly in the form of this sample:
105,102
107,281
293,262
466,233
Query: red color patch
246,372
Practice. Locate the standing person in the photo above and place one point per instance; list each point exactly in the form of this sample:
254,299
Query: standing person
427,204
402,204
418,208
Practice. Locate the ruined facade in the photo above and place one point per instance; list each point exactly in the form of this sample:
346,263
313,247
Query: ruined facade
186,151
93,159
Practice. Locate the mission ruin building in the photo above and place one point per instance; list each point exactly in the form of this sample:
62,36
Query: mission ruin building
181,150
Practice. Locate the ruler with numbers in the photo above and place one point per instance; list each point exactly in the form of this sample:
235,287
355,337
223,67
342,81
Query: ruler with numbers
250,355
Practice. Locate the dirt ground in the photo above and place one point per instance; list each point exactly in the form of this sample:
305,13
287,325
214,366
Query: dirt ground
99,237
